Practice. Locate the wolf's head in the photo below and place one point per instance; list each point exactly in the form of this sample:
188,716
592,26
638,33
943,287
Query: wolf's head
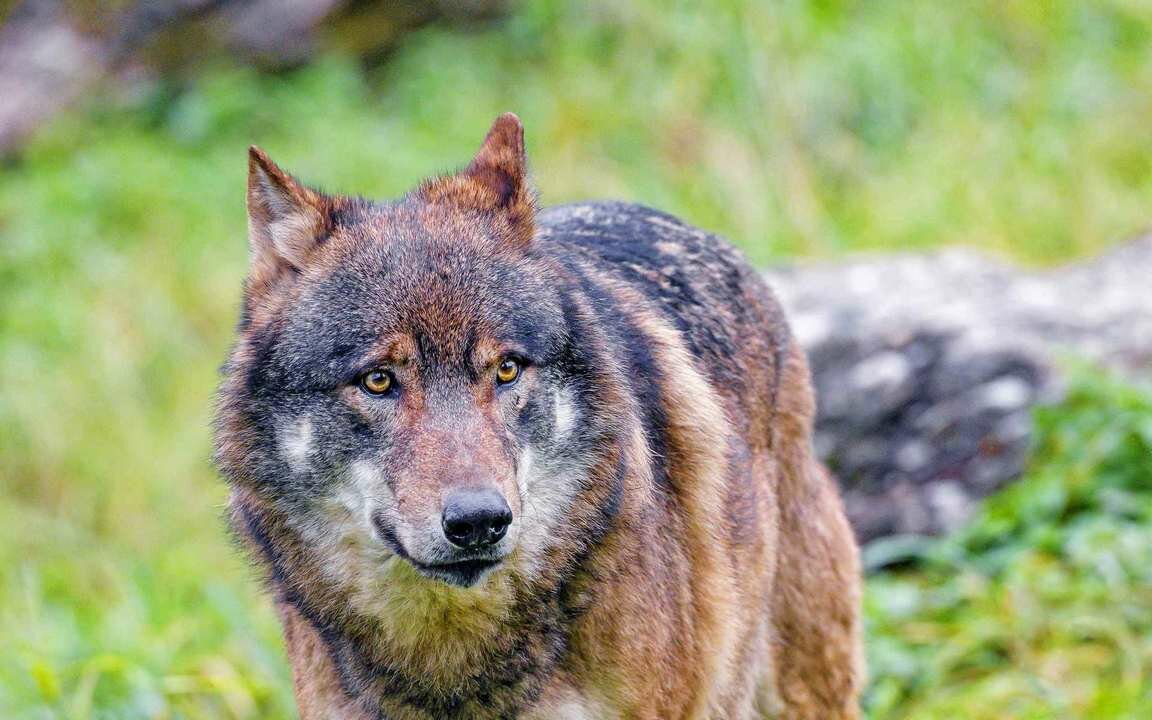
406,392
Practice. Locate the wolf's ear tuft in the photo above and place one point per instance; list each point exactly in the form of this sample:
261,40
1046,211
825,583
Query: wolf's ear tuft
495,181
286,220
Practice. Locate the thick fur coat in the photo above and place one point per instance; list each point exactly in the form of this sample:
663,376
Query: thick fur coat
625,383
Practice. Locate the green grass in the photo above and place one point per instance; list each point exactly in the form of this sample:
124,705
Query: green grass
793,128
1043,607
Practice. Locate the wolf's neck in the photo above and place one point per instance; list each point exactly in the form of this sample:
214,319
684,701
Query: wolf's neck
440,656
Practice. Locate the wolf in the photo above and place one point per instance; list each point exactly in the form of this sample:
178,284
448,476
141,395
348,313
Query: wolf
504,462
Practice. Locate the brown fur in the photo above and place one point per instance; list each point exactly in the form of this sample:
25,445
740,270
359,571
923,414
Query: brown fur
725,584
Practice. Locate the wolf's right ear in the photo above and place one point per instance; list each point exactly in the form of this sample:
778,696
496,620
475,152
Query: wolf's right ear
286,220
496,181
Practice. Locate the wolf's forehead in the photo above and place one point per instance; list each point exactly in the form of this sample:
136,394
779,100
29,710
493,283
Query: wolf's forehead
422,295
449,305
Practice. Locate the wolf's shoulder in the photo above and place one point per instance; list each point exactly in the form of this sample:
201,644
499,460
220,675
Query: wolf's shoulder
653,249
698,279
632,225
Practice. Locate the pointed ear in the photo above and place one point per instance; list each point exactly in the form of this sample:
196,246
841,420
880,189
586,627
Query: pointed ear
286,220
496,180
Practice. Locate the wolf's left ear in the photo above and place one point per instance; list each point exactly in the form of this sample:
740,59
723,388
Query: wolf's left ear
286,220
495,181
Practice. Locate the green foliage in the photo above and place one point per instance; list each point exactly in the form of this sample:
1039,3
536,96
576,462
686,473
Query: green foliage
791,127
1043,607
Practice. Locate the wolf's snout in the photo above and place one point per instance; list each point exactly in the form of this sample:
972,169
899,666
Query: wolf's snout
475,517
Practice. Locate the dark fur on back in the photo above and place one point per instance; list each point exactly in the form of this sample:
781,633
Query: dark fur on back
698,281
673,539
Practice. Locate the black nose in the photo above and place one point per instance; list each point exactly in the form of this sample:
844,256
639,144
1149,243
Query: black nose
475,518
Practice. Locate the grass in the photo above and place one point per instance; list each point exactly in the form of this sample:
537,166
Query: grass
793,128
1042,608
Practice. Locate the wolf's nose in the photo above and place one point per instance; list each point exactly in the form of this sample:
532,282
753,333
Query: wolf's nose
475,518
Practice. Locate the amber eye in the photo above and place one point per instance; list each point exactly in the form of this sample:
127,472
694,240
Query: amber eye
376,382
507,371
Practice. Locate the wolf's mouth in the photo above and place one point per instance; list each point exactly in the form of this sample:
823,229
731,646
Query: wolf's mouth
462,573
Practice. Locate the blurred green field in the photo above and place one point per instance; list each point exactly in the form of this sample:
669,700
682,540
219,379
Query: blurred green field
793,128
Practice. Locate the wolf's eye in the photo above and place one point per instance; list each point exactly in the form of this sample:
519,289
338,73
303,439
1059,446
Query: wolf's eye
376,382
507,371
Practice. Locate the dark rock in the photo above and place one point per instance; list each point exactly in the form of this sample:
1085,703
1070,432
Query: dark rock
927,368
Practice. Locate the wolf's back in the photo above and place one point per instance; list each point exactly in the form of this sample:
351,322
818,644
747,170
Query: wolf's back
729,318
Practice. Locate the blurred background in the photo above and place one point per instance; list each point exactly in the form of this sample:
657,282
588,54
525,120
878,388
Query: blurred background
951,197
